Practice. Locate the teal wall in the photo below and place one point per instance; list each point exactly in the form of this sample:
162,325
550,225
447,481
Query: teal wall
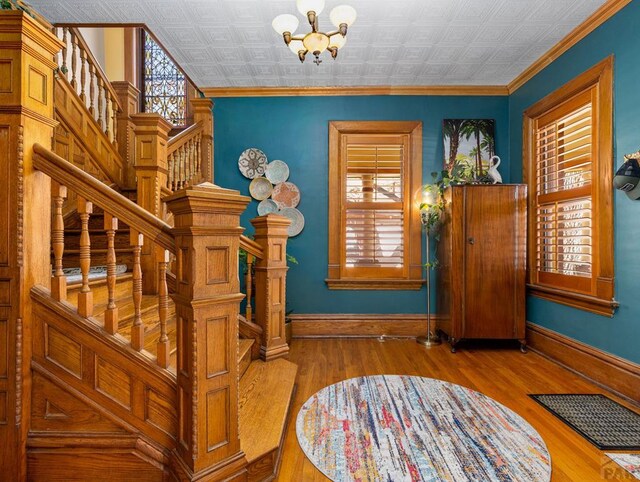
295,130
619,36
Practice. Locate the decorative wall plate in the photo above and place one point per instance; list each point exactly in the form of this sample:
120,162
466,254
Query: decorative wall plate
252,163
286,194
277,171
260,188
297,220
267,206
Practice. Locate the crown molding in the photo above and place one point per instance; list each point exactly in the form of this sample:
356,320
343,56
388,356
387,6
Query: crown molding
488,90
597,18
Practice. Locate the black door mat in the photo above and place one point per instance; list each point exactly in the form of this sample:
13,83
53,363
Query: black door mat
602,421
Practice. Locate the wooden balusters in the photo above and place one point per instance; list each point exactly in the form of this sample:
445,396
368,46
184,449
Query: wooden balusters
170,171
74,60
248,282
92,89
100,106
63,67
164,347
111,313
58,280
137,330
107,114
114,121
83,75
85,297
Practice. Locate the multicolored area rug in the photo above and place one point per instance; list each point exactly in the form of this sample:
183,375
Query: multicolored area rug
392,428
630,462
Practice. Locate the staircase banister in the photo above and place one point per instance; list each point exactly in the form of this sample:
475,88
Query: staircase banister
251,247
183,137
103,196
92,60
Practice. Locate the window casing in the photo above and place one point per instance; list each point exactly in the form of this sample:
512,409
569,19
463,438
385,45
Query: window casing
374,227
568,167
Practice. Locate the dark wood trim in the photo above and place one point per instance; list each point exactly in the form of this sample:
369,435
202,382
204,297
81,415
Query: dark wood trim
483,90
609,371
374,284
359,326
575,300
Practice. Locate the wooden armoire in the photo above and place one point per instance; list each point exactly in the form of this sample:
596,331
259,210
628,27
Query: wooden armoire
482,257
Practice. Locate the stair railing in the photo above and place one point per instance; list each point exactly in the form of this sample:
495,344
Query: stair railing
184,158
89,192
79,66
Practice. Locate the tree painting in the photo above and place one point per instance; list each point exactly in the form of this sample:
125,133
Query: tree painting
469,143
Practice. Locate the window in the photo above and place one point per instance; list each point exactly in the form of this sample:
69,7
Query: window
374,227
568,164
164,85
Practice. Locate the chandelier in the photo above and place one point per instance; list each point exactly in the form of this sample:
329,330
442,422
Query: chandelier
315,42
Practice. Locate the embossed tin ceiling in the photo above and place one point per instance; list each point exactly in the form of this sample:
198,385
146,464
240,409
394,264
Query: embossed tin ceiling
230,43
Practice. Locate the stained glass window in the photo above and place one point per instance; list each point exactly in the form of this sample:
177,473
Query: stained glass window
165,86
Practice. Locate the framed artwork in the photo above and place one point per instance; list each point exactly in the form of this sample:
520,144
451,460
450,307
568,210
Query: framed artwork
470,143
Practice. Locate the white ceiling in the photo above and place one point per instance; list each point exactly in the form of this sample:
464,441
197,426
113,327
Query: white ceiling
230,43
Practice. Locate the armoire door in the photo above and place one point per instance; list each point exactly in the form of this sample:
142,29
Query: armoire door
491,257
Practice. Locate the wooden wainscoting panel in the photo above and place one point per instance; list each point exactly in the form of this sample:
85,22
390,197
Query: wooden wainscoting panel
609,371
359,326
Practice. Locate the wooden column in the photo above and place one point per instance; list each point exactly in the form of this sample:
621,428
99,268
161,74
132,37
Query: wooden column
207,299
203,111
271,284
27,68
151,138
129,98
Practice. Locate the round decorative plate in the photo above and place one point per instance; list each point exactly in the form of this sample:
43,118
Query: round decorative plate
260,188
252,163
297,220
277,172
267,206
286,194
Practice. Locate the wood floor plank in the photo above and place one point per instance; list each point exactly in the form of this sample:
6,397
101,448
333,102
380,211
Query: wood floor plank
502,373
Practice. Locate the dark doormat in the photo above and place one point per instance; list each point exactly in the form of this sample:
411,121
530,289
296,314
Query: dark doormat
602,421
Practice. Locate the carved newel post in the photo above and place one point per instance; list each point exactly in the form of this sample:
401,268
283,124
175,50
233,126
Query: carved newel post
207,298
271,283
151,140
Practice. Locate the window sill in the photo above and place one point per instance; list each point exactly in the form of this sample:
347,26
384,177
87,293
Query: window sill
575,300
374,284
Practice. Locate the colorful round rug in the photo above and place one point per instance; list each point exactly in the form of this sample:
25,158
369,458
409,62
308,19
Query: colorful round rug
401,428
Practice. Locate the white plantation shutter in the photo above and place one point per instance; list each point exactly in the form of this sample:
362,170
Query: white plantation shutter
375,224
564,159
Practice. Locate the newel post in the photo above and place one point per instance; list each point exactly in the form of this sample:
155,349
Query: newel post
27,67
271,284
129,98
207,231
151,139
203,111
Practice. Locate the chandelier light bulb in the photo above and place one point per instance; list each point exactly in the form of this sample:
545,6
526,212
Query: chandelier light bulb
343,14
306,6
337,41
296,46
285,23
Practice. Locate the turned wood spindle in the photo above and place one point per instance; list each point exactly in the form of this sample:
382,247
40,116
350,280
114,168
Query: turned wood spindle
92,89
114,121
85,297
199,156
171,162
164,347
111,313
248,281
107,114
137,330
74,61
58,280
64,68
187,176
83,74
100,105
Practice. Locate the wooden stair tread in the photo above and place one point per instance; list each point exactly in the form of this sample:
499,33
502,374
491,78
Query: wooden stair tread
245,346
266,392
244,354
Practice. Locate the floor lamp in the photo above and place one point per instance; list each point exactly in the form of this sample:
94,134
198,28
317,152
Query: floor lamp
428,201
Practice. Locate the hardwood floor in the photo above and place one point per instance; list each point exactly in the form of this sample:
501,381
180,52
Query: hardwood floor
501,372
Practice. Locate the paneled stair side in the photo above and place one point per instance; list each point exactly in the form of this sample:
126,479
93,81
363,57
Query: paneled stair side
266,394
98,237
